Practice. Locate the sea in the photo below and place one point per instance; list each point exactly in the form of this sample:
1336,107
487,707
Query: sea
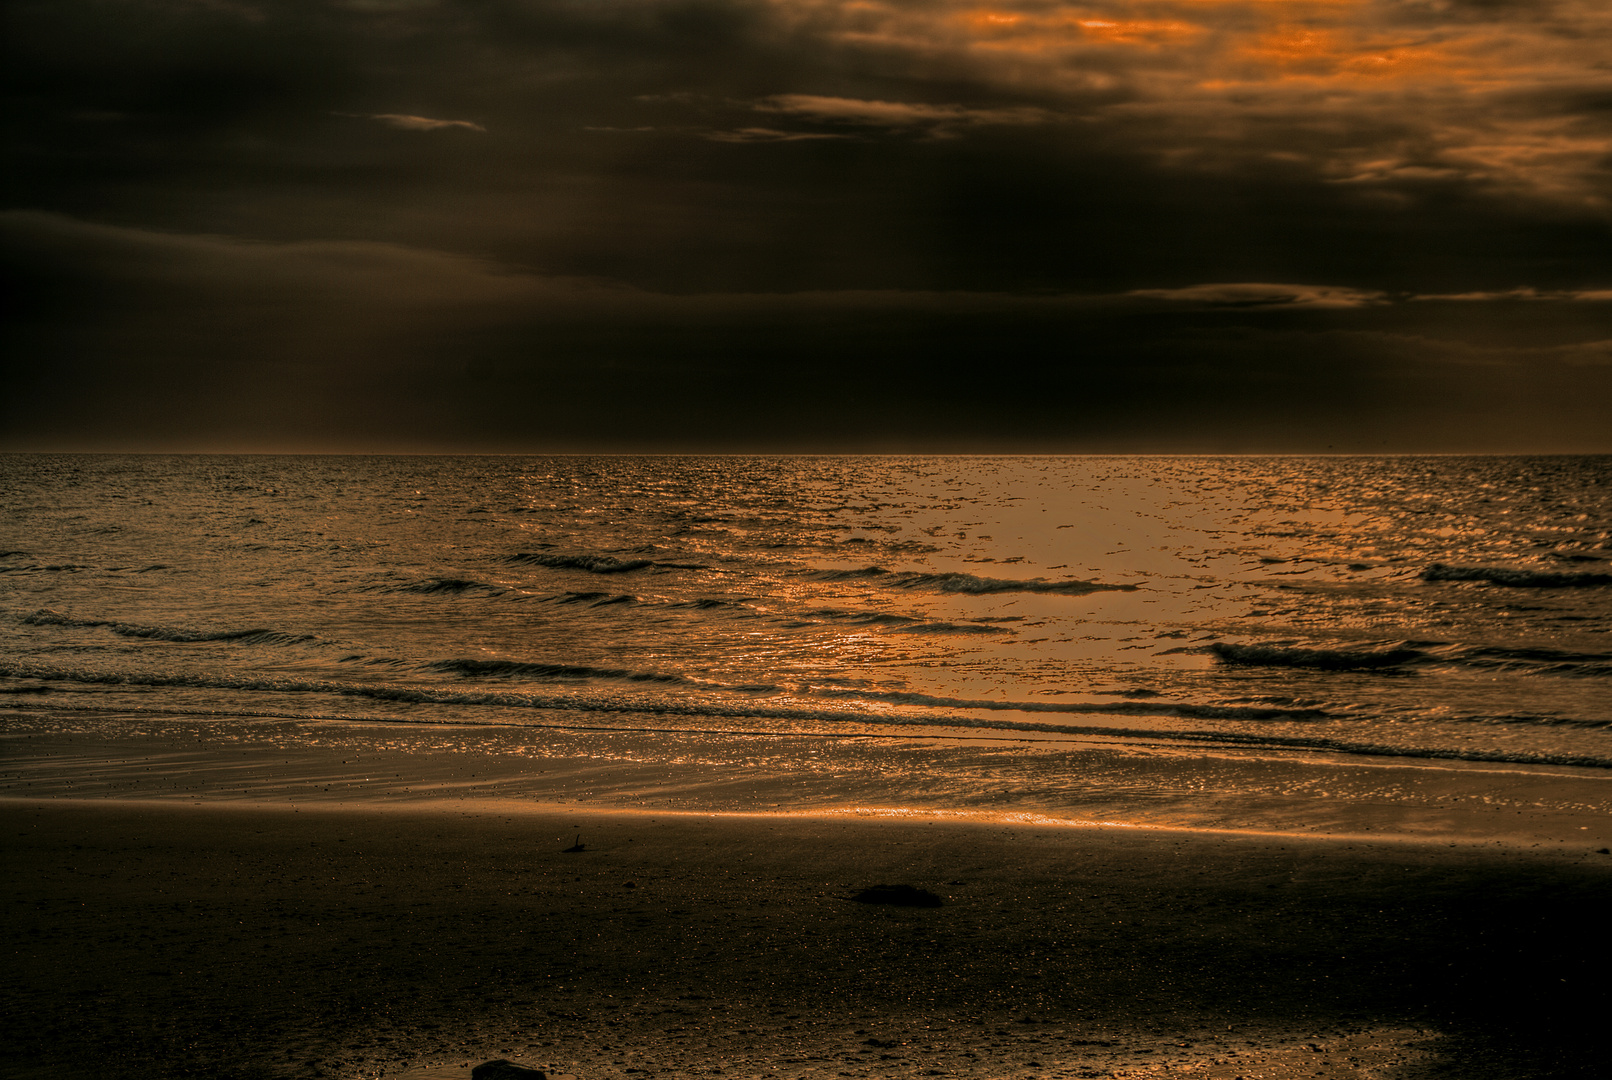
1130,637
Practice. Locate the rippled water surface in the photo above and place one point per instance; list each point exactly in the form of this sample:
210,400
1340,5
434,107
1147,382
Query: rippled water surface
1429,607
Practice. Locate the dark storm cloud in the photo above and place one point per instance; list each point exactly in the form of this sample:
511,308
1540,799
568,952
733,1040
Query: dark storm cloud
174,342
1214,224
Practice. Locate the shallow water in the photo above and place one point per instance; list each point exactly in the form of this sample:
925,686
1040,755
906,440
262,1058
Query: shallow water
1367,609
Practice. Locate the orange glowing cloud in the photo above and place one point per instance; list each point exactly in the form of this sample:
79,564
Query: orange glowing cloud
1344,54
1042,31
1376,93
1155,32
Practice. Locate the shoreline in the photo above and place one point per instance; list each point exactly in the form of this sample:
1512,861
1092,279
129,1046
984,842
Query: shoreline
510,808
285,900
259,760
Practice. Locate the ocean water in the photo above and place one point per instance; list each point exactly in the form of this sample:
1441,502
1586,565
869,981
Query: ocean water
1452,612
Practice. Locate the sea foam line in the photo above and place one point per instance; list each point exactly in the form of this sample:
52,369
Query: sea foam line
661,707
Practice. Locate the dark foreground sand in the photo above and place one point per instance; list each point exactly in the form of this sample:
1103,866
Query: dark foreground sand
150,939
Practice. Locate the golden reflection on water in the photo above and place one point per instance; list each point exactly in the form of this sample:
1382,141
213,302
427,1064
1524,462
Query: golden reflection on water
1281,597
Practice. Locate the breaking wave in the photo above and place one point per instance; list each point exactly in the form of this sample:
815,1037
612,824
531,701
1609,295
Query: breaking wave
528,670
1395,656
1516,579
593,564
966,583
254,636
453,586
1537,659
715,710
1282,655
1115,708
596,564
948,628
899,624
595,599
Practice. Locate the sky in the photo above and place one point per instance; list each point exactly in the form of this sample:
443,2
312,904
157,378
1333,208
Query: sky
1196,226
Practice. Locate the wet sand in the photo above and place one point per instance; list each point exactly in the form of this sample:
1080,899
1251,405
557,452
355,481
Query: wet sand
50,753
281,899
207,939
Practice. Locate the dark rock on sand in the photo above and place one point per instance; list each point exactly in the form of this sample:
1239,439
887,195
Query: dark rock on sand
505,1070
899,895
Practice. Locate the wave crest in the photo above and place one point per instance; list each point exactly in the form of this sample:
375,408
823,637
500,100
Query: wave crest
593,564
957,582
707,709
1516,579
254,636
595,599
531,670
437,585
1281,655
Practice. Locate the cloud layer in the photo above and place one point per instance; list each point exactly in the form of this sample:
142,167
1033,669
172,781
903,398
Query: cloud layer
1210,224
418,123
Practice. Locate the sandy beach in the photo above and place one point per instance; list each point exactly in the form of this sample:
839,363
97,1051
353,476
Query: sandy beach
204,938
